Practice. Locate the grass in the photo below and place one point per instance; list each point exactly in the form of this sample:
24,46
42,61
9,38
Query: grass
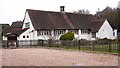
97,48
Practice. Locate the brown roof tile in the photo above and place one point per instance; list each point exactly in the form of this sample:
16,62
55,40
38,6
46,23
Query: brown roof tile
96,24
80,21
17,24
57,20
17,31
47,20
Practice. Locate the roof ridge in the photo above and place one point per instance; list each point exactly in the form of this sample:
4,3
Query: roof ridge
41,10
55,11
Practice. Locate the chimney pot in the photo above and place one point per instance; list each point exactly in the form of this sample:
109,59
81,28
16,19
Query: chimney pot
62,9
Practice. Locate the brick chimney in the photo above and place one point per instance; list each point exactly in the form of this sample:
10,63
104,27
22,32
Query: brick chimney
62,9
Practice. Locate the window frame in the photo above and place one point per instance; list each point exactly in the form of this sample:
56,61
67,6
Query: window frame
23,36
27,25
74,31
93,35
59,32
27,36
84,31
43,32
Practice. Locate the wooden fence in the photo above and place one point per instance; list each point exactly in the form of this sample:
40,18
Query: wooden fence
107,46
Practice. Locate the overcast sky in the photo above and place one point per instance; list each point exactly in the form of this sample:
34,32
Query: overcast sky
14,10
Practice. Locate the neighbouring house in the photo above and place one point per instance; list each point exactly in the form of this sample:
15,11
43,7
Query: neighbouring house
2,27
44,25
12,33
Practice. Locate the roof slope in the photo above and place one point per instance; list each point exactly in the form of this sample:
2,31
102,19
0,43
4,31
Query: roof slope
96,24
47,20
57,20
80,21
11,30
17,24
15,28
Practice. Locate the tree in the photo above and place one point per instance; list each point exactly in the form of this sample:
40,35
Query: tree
67,36
118,19
82,11
111,15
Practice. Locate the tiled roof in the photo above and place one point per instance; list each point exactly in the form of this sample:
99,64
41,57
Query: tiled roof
15,28
80,21
47,20
96,24
57,20
17,24
17,31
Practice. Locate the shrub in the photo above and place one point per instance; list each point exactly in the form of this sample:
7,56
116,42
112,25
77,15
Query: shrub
67,36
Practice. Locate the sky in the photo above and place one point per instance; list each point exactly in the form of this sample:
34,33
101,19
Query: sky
14,10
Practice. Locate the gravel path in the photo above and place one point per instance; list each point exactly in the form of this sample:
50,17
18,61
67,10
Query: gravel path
52,57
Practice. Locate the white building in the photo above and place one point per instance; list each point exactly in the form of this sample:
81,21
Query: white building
46,25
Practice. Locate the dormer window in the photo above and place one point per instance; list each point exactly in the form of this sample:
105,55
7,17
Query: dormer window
27,25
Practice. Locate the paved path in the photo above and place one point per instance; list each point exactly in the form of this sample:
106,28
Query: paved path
52,57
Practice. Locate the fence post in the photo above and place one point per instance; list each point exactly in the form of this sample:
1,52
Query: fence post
79,43
17,45
50,41
67,43
118,45
30,43
7,44
109,46
93,47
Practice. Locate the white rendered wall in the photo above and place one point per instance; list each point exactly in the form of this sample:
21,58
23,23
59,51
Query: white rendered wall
30,32
26,20
105,31
84,36
4,38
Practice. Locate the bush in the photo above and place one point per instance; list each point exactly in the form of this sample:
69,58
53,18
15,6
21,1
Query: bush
67,36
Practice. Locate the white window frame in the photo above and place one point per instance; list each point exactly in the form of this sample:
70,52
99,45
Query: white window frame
43,32
27,25
84,32
73,31
58,32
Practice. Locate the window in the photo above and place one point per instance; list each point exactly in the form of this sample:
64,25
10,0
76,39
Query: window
93,35
74,31
56,32
27,36
43,32
113,33
47,32
38,32
27,25
23,36
84,31
59,32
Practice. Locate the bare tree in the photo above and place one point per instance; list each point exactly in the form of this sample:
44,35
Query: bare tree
82,11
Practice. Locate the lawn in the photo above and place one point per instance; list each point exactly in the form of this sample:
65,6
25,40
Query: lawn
113,48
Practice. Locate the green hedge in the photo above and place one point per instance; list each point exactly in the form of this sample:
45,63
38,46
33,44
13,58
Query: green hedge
67,36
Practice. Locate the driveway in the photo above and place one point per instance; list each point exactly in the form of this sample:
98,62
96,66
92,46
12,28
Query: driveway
54,57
